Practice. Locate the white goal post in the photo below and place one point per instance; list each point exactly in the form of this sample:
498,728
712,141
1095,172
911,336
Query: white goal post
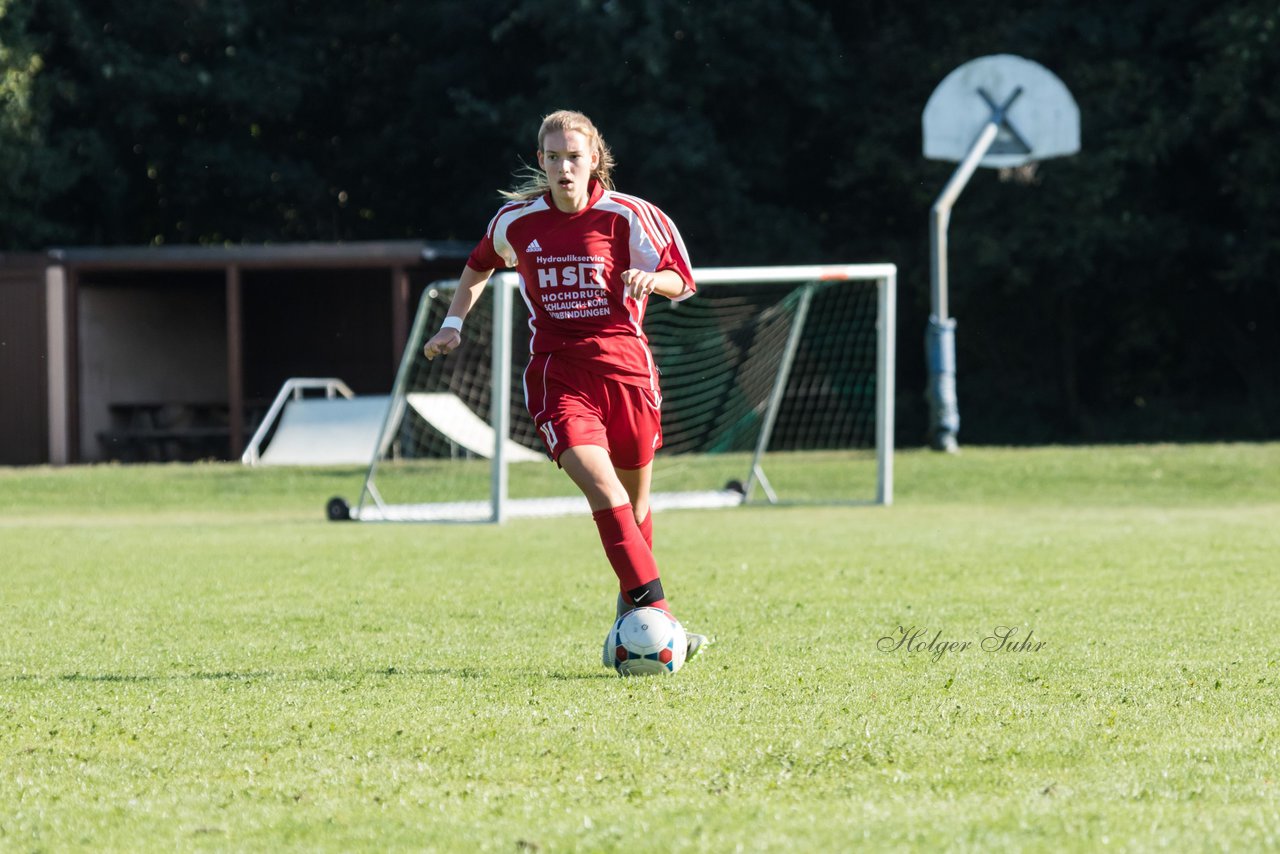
794,356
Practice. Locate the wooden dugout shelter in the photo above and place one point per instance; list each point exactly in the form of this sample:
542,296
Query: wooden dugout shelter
168,353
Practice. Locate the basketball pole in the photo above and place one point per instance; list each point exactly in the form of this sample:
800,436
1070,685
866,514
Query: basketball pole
1051,122
940,335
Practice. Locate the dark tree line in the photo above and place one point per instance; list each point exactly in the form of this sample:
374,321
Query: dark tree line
1128,292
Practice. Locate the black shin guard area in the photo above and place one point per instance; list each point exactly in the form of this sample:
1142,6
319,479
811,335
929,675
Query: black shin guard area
644,594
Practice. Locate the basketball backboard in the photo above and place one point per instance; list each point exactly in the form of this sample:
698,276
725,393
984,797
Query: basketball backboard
1037,116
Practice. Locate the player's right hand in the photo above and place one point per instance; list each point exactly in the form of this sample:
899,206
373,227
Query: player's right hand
442,343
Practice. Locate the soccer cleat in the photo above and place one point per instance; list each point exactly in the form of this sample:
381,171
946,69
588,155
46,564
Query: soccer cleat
623,607
697,643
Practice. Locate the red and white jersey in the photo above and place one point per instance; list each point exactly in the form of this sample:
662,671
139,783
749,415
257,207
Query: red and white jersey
571,266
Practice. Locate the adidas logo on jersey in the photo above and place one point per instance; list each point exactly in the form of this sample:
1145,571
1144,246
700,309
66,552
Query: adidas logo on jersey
533,246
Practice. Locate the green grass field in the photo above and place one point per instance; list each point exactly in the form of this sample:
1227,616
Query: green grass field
192,658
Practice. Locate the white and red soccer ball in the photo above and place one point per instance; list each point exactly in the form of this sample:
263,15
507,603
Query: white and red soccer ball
646,642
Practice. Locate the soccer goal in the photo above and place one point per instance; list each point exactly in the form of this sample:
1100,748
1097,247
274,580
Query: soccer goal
778,387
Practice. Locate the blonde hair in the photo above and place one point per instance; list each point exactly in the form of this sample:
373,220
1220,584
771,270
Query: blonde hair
534,182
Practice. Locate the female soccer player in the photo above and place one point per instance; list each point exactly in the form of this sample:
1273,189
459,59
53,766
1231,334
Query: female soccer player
589,258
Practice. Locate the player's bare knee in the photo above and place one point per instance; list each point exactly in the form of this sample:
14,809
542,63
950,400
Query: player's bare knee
602,495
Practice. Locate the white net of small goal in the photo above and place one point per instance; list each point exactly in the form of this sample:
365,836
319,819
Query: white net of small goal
777,386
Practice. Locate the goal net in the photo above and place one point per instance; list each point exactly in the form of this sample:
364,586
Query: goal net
777,382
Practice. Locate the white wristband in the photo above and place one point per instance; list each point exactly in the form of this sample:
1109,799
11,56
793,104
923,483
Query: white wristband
452,322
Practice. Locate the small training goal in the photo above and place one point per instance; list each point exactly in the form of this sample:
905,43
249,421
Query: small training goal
778,387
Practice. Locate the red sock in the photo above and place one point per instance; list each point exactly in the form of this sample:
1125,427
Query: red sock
631,558
646,529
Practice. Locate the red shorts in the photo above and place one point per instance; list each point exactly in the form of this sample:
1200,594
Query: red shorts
572,406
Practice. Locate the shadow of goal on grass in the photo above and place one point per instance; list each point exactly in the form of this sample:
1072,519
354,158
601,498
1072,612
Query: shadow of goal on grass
312,675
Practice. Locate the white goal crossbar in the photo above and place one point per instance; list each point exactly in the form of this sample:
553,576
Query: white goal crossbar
500,506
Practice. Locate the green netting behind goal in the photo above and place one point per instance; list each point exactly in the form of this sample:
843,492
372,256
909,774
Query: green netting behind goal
769,383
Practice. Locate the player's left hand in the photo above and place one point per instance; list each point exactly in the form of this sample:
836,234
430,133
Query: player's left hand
442,343
639,283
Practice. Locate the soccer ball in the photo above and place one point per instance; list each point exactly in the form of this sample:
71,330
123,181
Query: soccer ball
646,642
